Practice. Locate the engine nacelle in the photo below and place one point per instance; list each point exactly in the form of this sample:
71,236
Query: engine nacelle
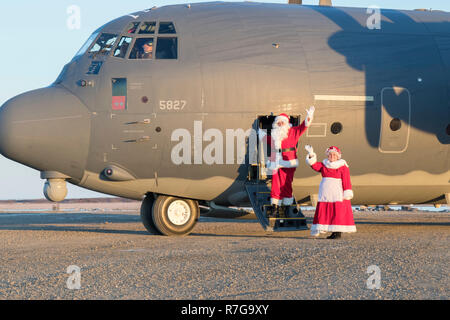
55,190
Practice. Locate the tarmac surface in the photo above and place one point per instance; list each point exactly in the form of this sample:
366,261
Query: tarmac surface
222,259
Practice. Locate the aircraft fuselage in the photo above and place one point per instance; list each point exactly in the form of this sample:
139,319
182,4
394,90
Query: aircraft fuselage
173,125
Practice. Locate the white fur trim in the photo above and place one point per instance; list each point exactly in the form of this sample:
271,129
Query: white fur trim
289,163
316,233
330,190
348,194
288,201
335,164
271,165
282,118
312,160
333,150
275,201
331,228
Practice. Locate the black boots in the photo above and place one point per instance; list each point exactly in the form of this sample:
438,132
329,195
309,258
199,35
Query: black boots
335,235
275,211
278,212
284,211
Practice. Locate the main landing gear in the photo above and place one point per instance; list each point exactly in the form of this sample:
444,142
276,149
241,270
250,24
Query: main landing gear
170,216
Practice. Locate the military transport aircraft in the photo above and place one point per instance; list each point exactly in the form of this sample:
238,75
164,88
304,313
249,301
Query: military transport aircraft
162,106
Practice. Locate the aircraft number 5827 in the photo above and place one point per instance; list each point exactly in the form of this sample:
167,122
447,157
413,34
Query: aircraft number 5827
170,105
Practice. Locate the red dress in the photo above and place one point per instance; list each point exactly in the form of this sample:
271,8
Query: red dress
334,210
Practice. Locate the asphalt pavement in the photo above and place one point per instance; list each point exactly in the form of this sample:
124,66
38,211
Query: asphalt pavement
110,255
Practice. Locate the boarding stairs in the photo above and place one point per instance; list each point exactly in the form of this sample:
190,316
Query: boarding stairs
290,219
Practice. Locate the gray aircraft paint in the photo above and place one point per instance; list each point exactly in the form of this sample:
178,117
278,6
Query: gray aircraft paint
240,60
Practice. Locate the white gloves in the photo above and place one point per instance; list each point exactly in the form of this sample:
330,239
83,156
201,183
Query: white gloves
309,115
311,110
309,149
311,158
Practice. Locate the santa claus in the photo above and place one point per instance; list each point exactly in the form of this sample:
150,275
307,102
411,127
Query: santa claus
283,161
334,211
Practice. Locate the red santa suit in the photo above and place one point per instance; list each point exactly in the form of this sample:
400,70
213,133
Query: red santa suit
334,211
283,159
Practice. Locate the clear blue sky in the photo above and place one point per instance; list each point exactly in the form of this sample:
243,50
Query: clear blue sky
42,25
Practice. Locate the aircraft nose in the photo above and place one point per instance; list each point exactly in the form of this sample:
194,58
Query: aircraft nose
47,129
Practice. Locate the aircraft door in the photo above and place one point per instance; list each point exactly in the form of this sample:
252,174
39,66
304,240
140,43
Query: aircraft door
395,120
126,130
264,148
133,128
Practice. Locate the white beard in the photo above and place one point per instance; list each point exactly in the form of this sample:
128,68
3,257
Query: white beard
279,134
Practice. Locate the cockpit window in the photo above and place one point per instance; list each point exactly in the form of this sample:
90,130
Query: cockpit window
122,47
166,28
104,44
132,27
167,48
143,49
147,28
87,44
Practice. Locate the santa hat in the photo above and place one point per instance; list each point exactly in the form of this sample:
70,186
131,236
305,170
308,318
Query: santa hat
334,149
283,117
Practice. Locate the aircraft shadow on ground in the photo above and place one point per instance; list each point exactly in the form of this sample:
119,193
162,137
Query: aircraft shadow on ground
72,229
50,222
71,225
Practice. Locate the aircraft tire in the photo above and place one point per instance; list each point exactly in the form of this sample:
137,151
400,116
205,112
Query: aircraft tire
174,216
146,214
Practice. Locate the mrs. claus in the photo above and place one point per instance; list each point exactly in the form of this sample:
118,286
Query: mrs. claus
334,210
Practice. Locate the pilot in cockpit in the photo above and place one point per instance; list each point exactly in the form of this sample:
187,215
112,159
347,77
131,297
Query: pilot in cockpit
146,51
